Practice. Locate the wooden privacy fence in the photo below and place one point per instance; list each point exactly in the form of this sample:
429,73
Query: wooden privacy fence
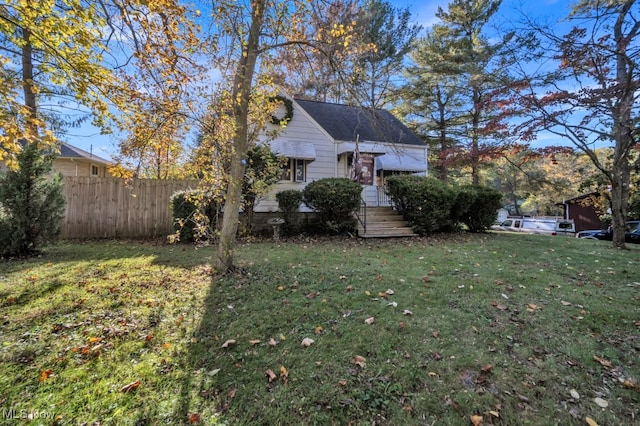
115,208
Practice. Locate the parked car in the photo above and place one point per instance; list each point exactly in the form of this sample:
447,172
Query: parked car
588,234
631,235
543,226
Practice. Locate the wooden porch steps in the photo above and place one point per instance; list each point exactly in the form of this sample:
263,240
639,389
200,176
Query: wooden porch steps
384,222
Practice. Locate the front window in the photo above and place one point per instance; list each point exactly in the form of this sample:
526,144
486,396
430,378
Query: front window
94,170
295,170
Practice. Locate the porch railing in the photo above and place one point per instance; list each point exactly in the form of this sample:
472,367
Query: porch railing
382,197
361,214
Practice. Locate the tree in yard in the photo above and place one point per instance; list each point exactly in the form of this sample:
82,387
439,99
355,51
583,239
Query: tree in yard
119,62
360,72
50,52
460,72
162,83
31,204
386,35
592,98
432,102
253,33
315,73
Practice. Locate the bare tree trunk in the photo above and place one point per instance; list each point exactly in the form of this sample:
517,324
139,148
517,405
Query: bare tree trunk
475,161
241,93
30,100
623,128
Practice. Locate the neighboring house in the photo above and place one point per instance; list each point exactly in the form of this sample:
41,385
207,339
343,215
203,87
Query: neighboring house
583,211
73,161
320,140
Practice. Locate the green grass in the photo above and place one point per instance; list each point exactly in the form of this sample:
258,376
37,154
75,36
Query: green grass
501,326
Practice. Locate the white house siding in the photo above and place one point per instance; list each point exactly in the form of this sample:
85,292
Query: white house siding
327,163
77,167
302,129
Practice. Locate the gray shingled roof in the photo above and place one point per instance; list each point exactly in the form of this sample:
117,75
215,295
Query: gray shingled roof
345,123
70,151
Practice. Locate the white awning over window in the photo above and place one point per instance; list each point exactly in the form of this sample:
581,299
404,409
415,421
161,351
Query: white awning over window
400,163
292,149
363,147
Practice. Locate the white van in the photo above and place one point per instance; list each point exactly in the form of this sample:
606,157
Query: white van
543,226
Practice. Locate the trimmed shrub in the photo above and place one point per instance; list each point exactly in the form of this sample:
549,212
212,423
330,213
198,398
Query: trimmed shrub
31,204
476,207
335,200
426,202
288,202
195,215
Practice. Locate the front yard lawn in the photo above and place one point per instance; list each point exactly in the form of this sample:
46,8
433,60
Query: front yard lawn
513,329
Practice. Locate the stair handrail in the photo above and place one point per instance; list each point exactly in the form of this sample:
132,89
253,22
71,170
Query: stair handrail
361,214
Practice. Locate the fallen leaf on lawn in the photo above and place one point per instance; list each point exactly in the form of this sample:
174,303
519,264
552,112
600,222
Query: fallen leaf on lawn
590,421
194,418
271,375
214,371
342,382
131,386
532,307
435,334
394,304
494,413
232,393
179,320
228,343
280,288
307,342
349,287
383,294
369,320
629,383
407,312
318,330
498,306
94,339
486,368
504,296
401,325
45,374
603,361
284,374
254,342
565,303
368,293
312,295
574,394
343,277
389,292
166,345
283,337
359,360
272,342
476,420
601,402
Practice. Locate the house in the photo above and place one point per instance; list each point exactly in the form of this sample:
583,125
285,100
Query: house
584,211
73,161
320,139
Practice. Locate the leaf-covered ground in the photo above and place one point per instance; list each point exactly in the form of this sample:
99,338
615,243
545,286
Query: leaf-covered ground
503,329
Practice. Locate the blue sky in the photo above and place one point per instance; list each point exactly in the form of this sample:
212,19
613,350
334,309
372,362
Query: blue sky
90,139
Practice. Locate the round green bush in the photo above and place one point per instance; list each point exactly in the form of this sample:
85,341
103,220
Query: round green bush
335,200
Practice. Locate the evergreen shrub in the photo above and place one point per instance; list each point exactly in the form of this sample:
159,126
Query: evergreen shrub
335,200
